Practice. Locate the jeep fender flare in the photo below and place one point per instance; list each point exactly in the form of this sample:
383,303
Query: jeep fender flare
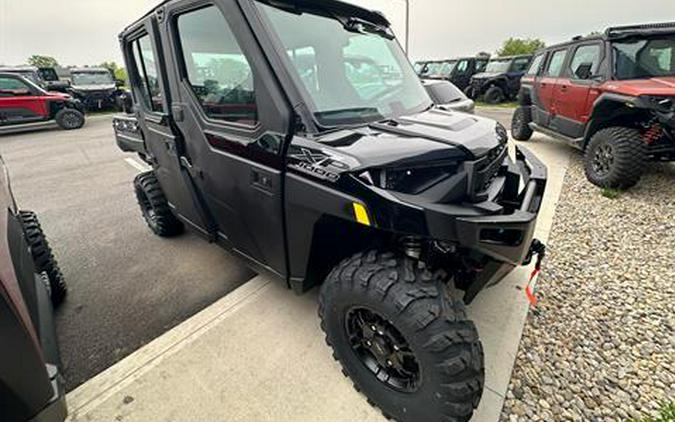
608,110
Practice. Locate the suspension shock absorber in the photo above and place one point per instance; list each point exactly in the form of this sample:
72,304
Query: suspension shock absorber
411,246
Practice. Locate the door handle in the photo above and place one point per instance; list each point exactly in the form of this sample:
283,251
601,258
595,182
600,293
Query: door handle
563,88
261,181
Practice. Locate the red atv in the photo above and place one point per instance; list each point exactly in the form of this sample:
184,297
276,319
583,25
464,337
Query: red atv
612,96
23,105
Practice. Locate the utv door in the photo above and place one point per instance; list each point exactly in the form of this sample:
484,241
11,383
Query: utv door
462,73
19,102
576,90
545,86
234,119
163,145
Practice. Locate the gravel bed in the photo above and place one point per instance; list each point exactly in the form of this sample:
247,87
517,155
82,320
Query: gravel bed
602,345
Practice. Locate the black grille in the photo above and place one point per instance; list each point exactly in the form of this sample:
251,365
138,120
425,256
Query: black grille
486,169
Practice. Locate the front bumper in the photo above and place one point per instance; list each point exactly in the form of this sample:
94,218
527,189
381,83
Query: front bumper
498,231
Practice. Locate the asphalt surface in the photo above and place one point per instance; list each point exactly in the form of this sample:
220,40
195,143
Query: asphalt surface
501,114
126,286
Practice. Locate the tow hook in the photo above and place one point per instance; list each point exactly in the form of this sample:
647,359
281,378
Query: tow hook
539,249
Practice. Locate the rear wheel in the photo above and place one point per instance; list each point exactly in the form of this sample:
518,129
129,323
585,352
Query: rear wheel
155,207
69,119
520,124
402,339
615,158
43,256
494,95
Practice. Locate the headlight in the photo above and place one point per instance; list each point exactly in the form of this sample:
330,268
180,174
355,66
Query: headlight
502,133
408,180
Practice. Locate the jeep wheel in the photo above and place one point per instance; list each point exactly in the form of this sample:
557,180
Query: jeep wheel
69,119
43,256
615,158
468,91
402,339
494,95
155,208
520,124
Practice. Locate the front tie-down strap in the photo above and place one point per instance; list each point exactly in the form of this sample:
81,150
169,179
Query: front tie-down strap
539,249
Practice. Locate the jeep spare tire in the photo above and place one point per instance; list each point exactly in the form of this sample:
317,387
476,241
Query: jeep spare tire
43,257
402,338
69,119
615,158
520,124
494,95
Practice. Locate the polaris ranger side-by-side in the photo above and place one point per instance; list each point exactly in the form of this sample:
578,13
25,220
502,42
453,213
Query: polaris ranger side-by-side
611,95
266,137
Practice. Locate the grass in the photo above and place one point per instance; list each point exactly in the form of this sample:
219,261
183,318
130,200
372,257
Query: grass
502,105
611,193
666,414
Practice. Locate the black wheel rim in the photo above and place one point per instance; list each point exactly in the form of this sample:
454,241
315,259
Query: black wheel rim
383,350
70,120
603,159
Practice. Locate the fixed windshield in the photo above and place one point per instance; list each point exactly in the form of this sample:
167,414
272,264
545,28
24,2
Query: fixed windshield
498,66
351,73
637,58
92,78
434,68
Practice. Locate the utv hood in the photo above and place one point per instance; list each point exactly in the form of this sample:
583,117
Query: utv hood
487,75
431,137
635,87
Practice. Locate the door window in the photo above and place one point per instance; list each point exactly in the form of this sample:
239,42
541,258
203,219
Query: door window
555,64
521,64
144,58
481,65
11,87
536,65
217,70
586,61
462,67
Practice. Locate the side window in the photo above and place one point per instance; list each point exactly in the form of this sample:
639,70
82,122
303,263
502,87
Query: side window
585,62
144,58
535,67
521,64
217,70
462,67
11,87
555,64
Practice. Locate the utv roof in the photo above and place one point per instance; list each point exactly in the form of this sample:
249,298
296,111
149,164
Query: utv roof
503,58
11,69
646,29
337,7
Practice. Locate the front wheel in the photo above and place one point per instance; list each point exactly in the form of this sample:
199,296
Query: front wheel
69,119
43,256
402,339
520,124
615,158
494,95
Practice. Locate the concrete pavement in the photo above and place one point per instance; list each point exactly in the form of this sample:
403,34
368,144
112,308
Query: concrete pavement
258,354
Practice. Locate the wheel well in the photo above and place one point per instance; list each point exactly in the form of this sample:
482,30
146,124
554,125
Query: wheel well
335,239
613,113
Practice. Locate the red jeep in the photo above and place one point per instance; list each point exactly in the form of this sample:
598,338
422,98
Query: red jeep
612,96
23,104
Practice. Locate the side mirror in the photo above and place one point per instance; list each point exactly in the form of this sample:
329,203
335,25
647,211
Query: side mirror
584,71
119,83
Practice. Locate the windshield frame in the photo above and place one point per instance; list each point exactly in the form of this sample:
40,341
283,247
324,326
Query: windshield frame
73,76
308,108
613,55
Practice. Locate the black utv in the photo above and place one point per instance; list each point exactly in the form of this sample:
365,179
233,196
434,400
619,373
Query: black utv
501,79
325,175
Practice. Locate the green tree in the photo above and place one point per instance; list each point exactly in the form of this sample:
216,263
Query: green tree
118,72
515,46
42,61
